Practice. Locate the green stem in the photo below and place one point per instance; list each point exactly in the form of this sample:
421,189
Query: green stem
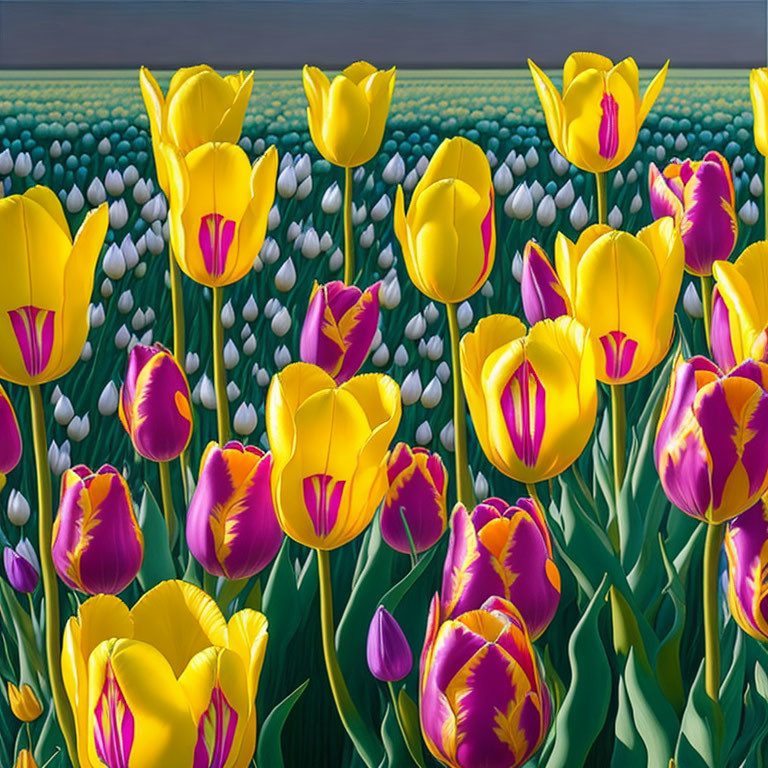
706,303
219,373
619,434
365,741
167,494
601,181
464,491
50,585
29,737
411,543
712,547
349,230
533,493
401,724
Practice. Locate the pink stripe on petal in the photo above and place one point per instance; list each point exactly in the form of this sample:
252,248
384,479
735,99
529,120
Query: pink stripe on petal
523,404
216,732
34,333
322,498
608,134
114,731
619,354
215,237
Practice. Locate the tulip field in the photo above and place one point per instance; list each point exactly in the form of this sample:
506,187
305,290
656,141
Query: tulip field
335,440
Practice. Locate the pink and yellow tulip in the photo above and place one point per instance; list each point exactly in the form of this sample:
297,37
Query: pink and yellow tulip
10,442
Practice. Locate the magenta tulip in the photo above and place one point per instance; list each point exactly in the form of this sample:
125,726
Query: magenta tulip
387,651
22,566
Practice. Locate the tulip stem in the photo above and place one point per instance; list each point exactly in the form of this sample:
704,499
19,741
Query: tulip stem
533,493
464,490
712,546
411,544
349,230
601,182
219,373
167,494
619,435
367,745
706,303
29,736
50,585
417,759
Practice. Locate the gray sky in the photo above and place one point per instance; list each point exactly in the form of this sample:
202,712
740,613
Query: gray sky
409,33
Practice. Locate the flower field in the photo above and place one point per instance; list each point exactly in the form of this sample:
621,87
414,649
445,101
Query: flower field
621,653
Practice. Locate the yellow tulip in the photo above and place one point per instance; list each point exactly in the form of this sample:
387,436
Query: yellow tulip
24,703
624,289
46,286
449,235
200,106
743,286
347,116
595,122
532,398
25,759
758,90
219,206
329,447
165,683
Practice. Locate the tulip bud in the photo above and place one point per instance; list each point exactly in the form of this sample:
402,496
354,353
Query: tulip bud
18,508
154,404
410,390
380,357
542,293
113,181
98,546
394,170
692,303
25,759
416,327
464,315
389,656
546,211
423,433
579,215
503,180
63,412
390,291
233,391
432,393
519,205
96,193
448,437
118,214
245,419
24,703
416,497
720,333
332,199
565,196
22,566
285,278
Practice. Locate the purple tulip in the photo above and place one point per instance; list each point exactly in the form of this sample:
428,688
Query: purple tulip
388,653
720,333
540,288
232,527
22,566
98,546
339,328
699,196
154,403
10,444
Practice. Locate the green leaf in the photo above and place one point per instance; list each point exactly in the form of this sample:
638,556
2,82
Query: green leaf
396,752
269,753
731,692
628,749
31,661
158,562
281,604
394,595
585,706
698,745
411,728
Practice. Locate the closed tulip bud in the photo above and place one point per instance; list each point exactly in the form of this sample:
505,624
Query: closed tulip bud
43,264
25,759
339,327
741,286
519,205
10,444
746,537
219,208
154,404
483,700
541,290
22,566
332,199
416,497
173,697
232,529
595,123
18,508
449,236
118,214
711,446
758,90
692,303
98,546
245,419
503,550
699,196
394,170
533,399
720,333
24,703
387,651
347,116
749,213
329,446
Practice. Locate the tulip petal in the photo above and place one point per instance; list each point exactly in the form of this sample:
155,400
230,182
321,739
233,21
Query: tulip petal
552,104
652,93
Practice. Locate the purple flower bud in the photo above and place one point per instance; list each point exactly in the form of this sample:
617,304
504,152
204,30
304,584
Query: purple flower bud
540,288
22,566
720,333
388,653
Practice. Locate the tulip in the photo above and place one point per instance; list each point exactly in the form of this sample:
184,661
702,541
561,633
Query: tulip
595,122
200,106
168,684
506,551
98,546
10,445
339,327
743,286
387,651
711,448
449,236
218,209
329,447
418,486
24,703
25,759
624,290
699,197
232,529
483,697
540,289
720,333
347,116
758,90
22,566
49,281
533,399
154,404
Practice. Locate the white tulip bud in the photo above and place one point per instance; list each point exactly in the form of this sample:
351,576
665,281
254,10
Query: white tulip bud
636,203
519,204
154,241
233,391
142,191
282,356
401,356
262,378
271,308
250,310
336,260
108,399
79,428
386,257
23,165
411,180
326,242
138,321
130,175
503,180
481,486
579,215
448,437
532,157
756,186
207,393
615,217
381,210
6,160
246,419
421,165
518,166
443,372
487,290
435,348
191,363
125,302
565,196
546,212
537,191
55,395
681,143
423,433
118,214
618,180
281,322
304,189
122,337
38,171
87,352
359,214
416,327
249,345
380,357
332,199
410,389
394,170
270,251
749,213
287,183
96,193
559,164
310,246
273,219
464,315
432,393
18,508
692,302
231,355
285,278
389,295
431,313
63,412
303,167
228,315
97,315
